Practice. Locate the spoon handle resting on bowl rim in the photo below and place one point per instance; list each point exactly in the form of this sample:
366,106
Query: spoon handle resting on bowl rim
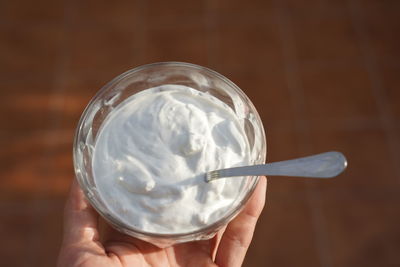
325,165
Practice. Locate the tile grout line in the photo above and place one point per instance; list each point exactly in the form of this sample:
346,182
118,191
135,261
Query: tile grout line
211,21
377,87
140,31
56,101
301,125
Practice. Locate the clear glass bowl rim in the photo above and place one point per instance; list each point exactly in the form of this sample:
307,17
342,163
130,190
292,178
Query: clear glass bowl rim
185,236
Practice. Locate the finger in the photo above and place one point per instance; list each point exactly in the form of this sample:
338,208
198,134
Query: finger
214,242
239,232
80,219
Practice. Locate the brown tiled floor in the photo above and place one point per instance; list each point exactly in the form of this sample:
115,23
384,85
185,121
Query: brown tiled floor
177,42
322,73
16,228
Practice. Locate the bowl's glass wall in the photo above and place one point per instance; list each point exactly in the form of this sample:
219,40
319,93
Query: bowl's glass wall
145,77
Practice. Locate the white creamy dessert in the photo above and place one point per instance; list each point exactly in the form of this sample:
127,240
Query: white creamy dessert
153,151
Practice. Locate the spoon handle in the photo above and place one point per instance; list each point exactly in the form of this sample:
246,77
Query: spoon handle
325,165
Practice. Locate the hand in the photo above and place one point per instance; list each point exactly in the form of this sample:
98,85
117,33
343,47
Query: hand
84,246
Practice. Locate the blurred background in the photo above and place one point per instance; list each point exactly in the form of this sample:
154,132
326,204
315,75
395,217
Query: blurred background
324,75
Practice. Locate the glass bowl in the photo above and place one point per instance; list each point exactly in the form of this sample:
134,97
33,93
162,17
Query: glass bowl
145,77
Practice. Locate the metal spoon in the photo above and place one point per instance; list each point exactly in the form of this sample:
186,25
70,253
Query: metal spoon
325,165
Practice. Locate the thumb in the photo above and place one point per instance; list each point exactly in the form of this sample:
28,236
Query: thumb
80,219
